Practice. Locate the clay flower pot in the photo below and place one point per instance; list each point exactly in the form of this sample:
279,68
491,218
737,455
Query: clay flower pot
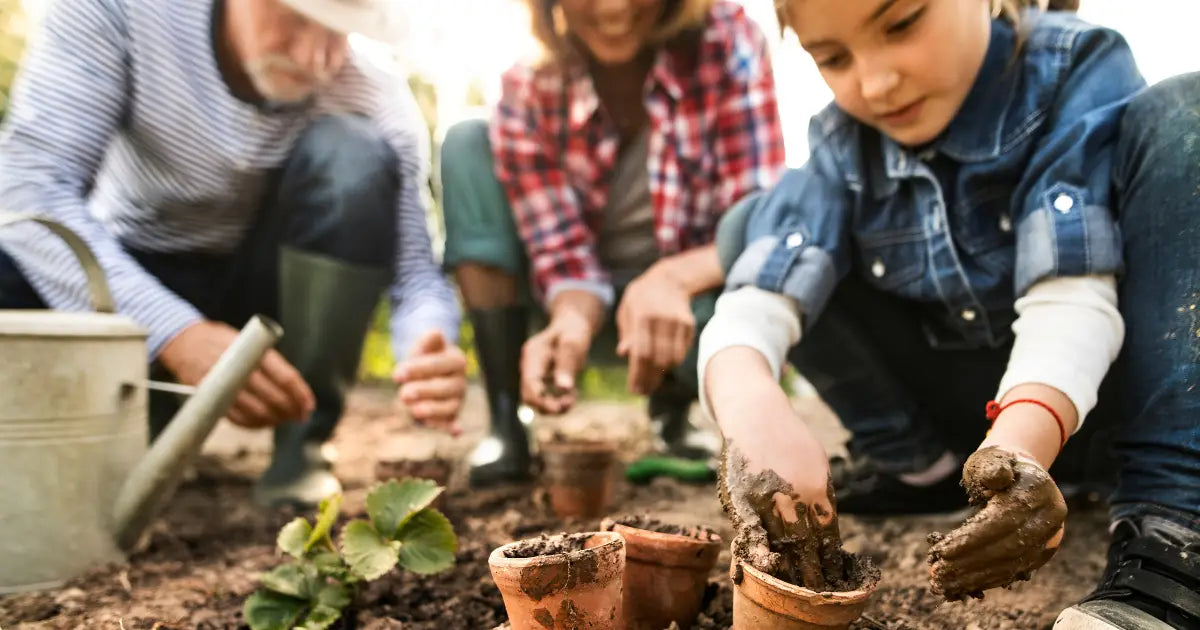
666,574
562,590
762,601
579,476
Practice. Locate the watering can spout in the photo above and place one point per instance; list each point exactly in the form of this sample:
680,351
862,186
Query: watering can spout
156,475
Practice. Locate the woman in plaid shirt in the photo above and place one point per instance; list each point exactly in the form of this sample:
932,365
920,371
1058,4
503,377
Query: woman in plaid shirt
595,190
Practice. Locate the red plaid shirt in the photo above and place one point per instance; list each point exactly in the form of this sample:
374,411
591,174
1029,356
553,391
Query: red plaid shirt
714,138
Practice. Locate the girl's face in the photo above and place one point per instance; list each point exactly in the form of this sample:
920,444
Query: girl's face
613,31
902,66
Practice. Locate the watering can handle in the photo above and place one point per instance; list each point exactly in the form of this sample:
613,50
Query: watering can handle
102,301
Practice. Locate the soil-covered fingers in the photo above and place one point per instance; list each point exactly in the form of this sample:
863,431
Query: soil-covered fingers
1018,530
1033,506
792,535
959,580
824,522
750,543
1013,558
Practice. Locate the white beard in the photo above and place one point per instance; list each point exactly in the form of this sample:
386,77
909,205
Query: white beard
275,86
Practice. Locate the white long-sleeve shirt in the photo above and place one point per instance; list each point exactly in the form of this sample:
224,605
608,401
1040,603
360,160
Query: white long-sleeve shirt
1068,332
122,128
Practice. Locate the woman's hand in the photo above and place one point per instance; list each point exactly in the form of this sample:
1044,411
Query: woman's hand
1018,530
774,480
551,359
655,328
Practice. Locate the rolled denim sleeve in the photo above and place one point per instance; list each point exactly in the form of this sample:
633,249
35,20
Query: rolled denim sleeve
797,240
1065,223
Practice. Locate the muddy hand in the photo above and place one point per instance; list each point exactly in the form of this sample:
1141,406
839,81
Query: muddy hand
779,531
1018,530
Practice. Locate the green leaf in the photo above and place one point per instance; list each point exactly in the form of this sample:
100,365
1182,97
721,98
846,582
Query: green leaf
333,596
391,504
291,580
368,555
293,538
427,543
265,610
327,516
321,618
328,562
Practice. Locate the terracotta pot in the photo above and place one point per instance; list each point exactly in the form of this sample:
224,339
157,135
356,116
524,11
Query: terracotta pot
577,590
762,601
579,476
665,576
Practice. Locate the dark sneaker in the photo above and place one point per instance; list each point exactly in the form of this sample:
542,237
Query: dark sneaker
863,489
1150,583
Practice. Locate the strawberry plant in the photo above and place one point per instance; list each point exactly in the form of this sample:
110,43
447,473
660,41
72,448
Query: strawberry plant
321,581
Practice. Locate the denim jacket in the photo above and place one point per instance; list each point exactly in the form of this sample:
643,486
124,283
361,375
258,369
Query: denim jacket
1015,190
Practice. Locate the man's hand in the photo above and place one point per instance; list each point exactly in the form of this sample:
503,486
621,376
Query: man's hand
1019,529
655,328
551,359
275,393
433,382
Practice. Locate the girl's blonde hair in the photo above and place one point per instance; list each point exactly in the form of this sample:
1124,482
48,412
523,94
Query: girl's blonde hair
550,27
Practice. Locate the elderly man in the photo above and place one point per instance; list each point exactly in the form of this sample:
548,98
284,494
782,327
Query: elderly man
224,158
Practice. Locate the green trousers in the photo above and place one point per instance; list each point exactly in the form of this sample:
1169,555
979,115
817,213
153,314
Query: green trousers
480,229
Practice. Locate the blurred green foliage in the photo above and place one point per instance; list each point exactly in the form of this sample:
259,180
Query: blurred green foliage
13,27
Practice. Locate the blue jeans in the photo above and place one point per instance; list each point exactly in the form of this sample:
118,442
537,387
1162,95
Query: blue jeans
320,201
907,403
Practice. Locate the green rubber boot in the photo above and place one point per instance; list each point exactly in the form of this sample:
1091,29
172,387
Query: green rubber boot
325,307
503,455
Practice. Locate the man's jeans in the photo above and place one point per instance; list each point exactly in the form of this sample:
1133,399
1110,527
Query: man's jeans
906,403
335,195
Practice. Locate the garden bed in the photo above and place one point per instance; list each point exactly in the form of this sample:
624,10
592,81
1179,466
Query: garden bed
203,557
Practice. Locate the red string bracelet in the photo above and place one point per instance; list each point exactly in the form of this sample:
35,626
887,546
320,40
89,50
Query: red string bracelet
994,409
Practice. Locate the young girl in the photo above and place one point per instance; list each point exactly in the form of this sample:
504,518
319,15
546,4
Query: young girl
981,171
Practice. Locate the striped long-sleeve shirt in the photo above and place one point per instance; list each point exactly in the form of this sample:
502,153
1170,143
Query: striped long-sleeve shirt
122,127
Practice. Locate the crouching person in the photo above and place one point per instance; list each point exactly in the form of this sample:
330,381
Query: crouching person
995,208
225,158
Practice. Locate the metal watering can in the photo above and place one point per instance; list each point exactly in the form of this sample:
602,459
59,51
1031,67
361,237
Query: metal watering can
78,485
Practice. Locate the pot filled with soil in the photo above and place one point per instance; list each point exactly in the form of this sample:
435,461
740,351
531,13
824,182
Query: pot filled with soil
579,476
761,600
564,582
666,571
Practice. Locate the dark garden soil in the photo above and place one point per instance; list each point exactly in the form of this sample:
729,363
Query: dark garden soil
203,556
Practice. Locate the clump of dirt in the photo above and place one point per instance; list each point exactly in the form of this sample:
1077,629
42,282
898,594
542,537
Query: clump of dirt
650,524
545,545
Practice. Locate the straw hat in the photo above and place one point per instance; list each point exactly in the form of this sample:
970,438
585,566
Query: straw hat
379,20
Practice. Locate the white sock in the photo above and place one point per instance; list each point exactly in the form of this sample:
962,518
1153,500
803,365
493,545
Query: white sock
945,466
